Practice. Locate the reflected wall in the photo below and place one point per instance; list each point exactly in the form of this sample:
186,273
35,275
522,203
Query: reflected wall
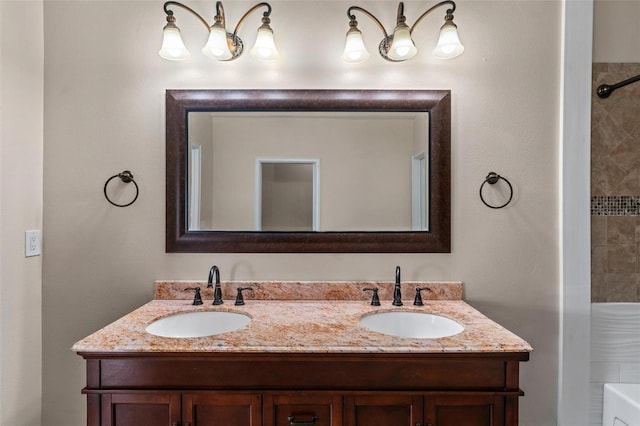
364,161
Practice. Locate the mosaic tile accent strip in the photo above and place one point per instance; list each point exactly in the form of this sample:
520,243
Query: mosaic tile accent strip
615,205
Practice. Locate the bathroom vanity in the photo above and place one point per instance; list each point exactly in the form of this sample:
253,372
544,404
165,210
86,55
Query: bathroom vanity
305,360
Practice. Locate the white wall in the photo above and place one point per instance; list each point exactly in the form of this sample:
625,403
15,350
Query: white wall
104,112
21,143
354,173
616,28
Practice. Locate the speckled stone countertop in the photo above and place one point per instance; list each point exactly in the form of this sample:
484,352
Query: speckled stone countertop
329,325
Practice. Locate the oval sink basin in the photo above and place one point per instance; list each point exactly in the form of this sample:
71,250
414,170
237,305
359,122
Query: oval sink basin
417,325
198,324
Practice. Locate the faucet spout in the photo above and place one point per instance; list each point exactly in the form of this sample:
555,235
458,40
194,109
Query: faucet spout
217,291
213,271
397,293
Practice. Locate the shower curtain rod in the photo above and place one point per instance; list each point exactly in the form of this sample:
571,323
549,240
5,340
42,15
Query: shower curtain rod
604,90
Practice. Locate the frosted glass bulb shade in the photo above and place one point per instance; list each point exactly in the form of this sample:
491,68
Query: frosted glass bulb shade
264,48
217,46
354,49
402,46
173,48
449,45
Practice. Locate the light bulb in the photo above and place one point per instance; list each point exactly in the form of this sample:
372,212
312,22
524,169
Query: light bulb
173,48
354,49
449,45
402,46
217,46
264,48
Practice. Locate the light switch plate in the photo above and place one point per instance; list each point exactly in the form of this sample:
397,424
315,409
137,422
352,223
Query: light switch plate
32,243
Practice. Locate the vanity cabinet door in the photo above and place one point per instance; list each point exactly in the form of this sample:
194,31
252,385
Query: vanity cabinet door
465,410
221,409
302,409
388,409
135,409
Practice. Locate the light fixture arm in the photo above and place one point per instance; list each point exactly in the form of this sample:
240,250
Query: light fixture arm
265,17
170,17
400,18
220,14
449,15
352,17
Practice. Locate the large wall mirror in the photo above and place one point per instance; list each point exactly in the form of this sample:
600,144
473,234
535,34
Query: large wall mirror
308,171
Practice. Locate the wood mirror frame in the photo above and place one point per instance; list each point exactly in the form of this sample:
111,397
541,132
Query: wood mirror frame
435,102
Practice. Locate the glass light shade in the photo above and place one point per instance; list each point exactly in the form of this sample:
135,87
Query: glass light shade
264,48
217,46
449,45
354,49
402,46
173,48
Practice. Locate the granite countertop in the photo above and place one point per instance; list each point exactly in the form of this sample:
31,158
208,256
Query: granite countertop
303,326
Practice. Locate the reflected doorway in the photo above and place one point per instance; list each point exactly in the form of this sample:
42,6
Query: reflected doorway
419,191
287,195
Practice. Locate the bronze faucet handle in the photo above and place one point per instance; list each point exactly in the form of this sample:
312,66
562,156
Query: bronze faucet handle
375,300
418,299
239,297
197,298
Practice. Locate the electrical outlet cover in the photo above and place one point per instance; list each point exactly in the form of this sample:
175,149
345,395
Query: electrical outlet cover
32,243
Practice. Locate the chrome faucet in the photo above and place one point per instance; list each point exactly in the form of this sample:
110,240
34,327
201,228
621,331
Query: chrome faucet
217,291
397,293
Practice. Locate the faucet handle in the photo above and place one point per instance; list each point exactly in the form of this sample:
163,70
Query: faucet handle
197,298
418,300
239,298
375,300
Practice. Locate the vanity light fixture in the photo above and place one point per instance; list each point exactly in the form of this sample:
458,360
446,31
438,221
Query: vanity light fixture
399,46
221,45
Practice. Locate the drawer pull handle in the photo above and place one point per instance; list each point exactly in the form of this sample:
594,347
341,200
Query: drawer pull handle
292,421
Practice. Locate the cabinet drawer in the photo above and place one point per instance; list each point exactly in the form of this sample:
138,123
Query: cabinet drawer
383,410
135,409
465,410
302,409
221,409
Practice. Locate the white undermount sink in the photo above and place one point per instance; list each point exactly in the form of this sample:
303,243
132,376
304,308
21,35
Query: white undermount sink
198,324
420,325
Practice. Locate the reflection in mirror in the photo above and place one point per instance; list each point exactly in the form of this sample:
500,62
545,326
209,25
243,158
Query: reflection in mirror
287,197
368,171
374,171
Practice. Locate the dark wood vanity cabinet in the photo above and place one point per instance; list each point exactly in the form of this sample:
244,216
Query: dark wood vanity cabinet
480,389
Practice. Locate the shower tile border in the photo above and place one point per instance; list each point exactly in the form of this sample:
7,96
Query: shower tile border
615,205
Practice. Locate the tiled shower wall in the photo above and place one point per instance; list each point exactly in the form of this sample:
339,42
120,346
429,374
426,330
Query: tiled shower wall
615,186
615,233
